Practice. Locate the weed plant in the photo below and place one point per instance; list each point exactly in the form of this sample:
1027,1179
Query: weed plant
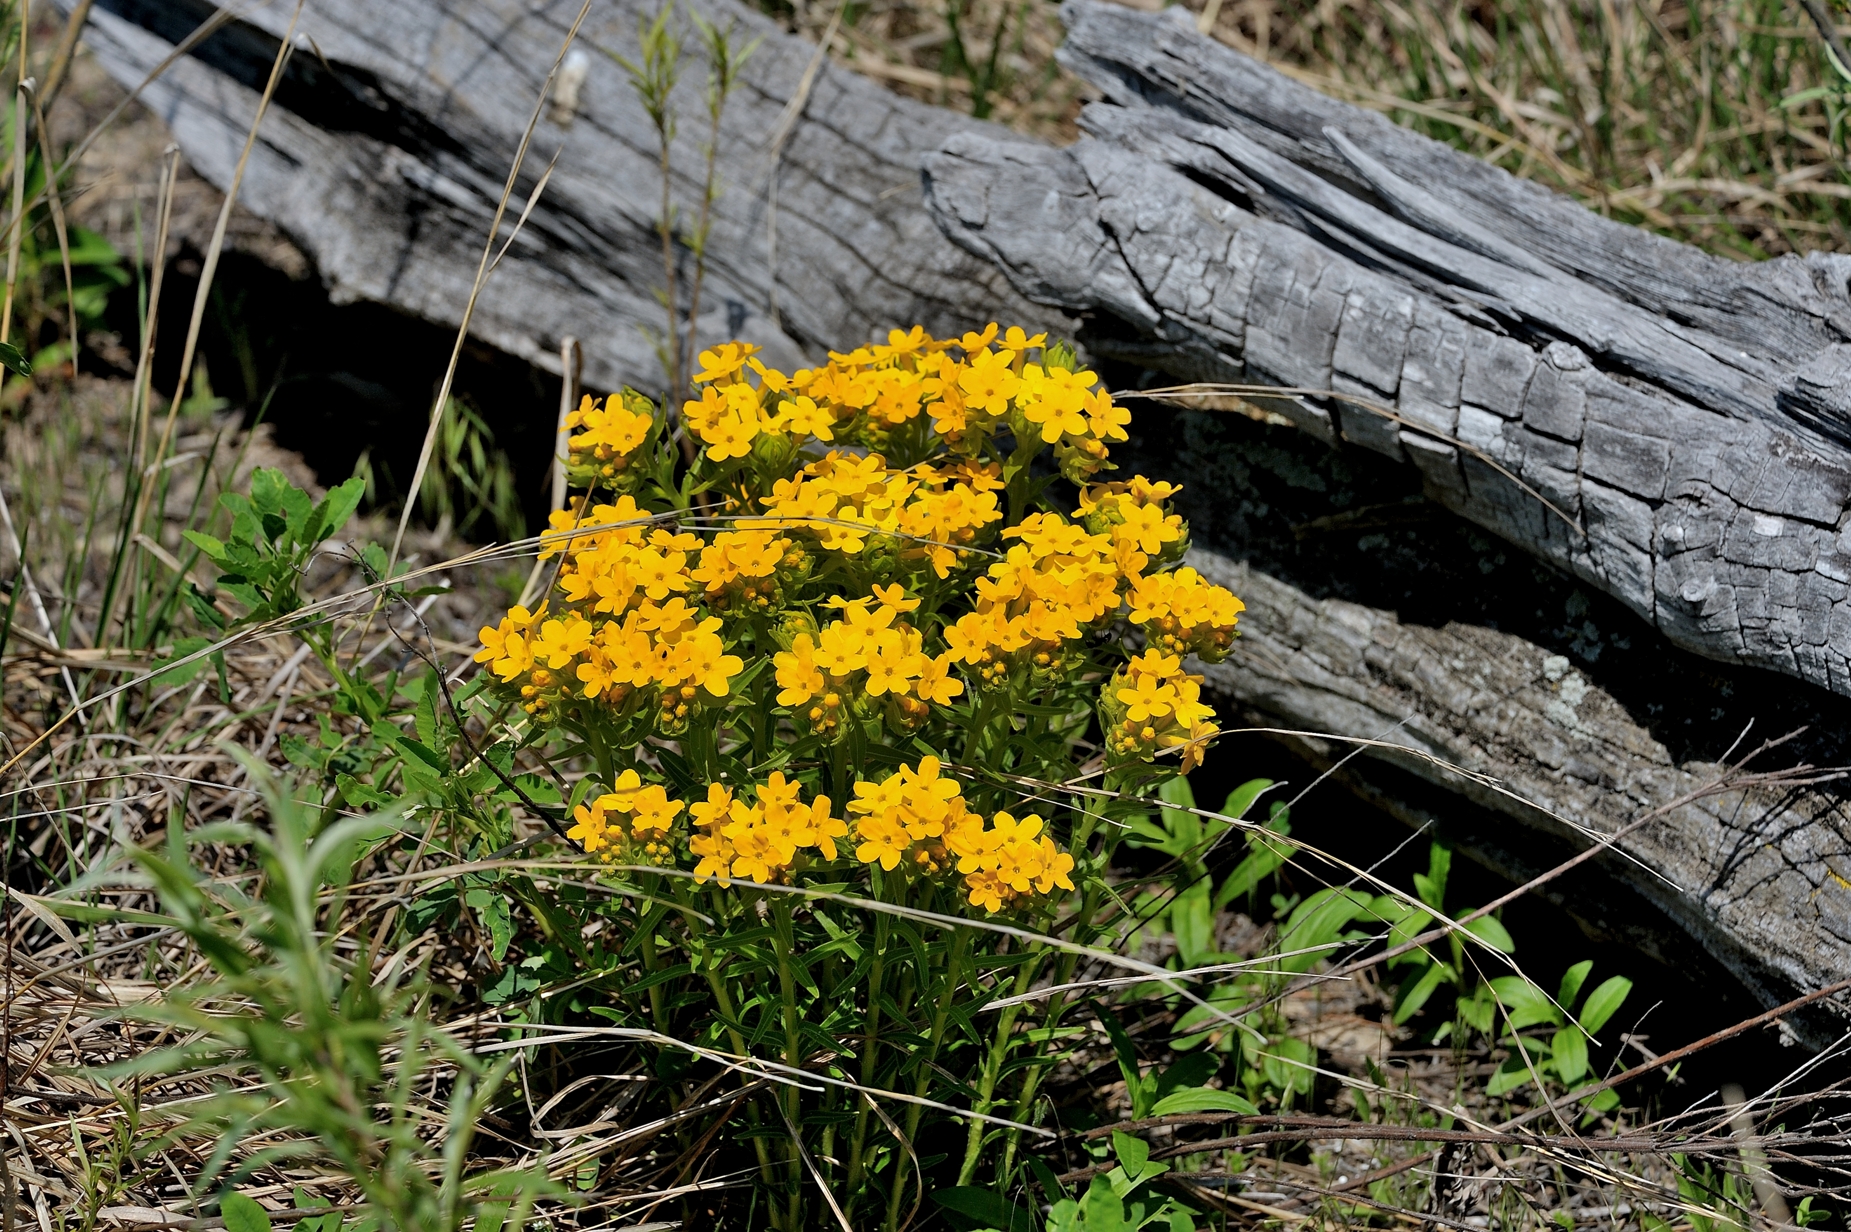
816,849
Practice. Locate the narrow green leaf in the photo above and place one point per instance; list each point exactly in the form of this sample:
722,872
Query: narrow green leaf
1200,1099
14,358
1572,980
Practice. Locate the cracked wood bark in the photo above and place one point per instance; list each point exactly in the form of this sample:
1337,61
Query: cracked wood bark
1688,413
1756,878
389,141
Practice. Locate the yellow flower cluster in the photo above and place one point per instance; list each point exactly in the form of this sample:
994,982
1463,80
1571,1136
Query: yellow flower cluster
918,818
926,513
764,839
631,821
877,394
628,629
870,653
608,435
1185,614
836,570
1152,705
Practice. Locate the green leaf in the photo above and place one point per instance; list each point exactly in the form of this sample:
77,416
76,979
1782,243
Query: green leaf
1316,923
1101,1210
1241,798
1127,1054
1569,1051
1511,1075
14,358
337,506
985,1207
491,907
213,548
1431,885
1050,1183
1524,1003
1604,1002
1200,1099
243,1214
1286,1065
1192,919
1192,1071
1185,828
1415,994
1131,1151
1264,857
1572,979
1493,933
180,675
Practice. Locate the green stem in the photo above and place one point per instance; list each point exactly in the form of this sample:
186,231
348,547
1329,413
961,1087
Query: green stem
1057,1005
793,1049
954,963
993,1068
725,1001
870,1043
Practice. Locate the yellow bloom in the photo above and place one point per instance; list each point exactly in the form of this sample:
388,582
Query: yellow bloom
988,382
723,361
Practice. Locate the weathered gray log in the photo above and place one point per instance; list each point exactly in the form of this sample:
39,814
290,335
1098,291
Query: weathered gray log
1756,877
1685,413
385,155
388,144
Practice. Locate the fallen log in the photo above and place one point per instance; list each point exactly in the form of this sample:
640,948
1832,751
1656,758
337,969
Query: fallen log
1211,225
1753,872
1666,425
385,152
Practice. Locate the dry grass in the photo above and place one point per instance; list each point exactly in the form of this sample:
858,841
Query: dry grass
1715,122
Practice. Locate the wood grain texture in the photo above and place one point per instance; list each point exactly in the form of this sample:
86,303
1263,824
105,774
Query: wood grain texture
1757,879
387,147
1678,409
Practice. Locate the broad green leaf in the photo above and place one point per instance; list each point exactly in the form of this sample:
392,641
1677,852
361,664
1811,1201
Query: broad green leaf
1192,919
14,358
985,1207
1415,994
1572,979
1131,1151
1192,1071
1493,933
1241,798
1200,1099
1101,1210
1286,1064
1604,1002
1510,1075
1184,827
213,548
180,675
242,1214
1523,1003
1318,922
1264,857
1569,1050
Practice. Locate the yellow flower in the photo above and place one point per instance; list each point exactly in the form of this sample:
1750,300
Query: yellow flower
723,361
883,841
936,683
799,679
988,382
